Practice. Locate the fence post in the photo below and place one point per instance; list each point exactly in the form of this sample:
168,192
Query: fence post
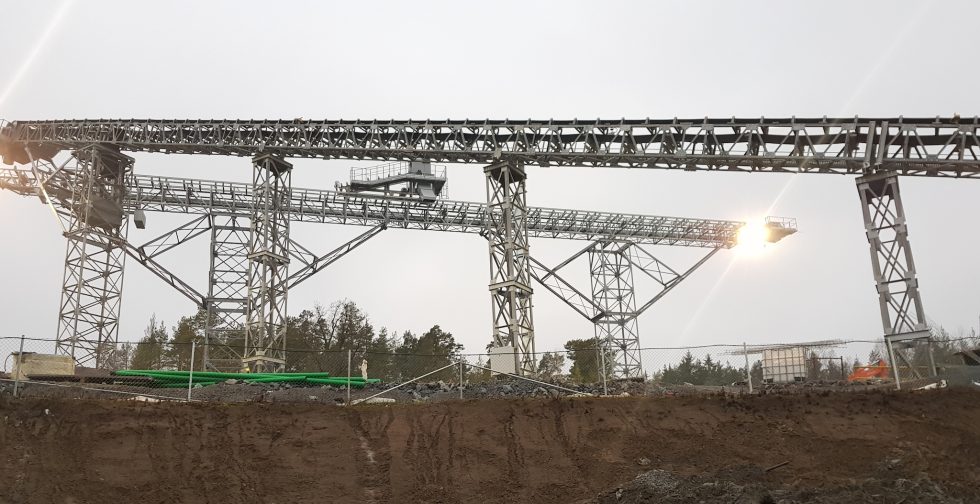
602,359
348,375
460,377
843,374
190,376
748,369
20,362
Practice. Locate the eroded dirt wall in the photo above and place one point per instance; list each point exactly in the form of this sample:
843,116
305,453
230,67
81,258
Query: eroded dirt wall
545,451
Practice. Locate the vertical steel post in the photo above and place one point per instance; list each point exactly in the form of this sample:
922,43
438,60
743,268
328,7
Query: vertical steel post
461,378
748,369
602,368
904,321
20,363
348,375
510,276
190,375
265,330
91,294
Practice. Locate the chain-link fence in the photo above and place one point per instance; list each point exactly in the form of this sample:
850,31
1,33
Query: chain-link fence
152,371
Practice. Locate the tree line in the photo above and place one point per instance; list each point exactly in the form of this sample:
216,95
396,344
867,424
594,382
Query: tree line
320,338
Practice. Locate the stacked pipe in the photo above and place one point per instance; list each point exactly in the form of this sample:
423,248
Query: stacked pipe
179,379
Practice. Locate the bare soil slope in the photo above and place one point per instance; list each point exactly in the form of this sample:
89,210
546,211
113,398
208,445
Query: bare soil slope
541,451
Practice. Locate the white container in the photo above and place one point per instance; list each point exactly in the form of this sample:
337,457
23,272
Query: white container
784,365
30,363
502,360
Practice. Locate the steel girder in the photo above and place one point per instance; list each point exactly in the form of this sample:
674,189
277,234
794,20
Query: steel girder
265,329
910,146
905,326
510,278
180,195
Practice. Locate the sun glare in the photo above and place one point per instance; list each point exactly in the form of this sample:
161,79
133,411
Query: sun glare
28,61
752,238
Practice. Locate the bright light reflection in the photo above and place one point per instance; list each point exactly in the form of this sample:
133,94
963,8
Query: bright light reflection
26,64
752,238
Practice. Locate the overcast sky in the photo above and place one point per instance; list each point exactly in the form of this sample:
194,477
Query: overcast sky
239,59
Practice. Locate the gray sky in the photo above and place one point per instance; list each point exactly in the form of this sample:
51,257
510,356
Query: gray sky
239,59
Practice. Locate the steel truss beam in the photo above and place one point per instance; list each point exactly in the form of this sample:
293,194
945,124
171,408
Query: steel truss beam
313,264
910,146
179,195
908,338
176,237
265,330
510,290
611,304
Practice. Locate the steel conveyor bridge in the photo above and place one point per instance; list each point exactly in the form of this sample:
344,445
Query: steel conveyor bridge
877,150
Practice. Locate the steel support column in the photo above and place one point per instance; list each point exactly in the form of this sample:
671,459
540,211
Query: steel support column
91,294
907,335
510,280
612,291
227,301
265,330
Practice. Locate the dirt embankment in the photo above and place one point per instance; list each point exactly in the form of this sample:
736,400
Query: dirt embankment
541,451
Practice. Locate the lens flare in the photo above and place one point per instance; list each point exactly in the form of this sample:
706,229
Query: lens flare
35,51
752,238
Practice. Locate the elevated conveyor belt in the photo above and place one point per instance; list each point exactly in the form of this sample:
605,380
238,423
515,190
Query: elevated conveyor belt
940,146
182,195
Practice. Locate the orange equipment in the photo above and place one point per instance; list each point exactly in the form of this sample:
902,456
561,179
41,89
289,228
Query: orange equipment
878,371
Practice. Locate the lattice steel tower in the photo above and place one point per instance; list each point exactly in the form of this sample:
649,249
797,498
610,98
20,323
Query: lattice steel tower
91,293
616,328
510,278
904,322
265,330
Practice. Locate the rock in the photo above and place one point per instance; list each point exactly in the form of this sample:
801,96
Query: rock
504,389
444,387
554,392
373,400
643,461
313,398
232,381
539,391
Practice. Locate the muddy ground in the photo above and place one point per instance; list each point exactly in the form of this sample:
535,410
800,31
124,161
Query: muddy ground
855,447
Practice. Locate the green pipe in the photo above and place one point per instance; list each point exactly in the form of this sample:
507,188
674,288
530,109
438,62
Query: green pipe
184,385
277,379
213,374
337,382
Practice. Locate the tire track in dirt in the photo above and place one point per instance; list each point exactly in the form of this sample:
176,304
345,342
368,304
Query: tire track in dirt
515,453
424,454
558,409
374,459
